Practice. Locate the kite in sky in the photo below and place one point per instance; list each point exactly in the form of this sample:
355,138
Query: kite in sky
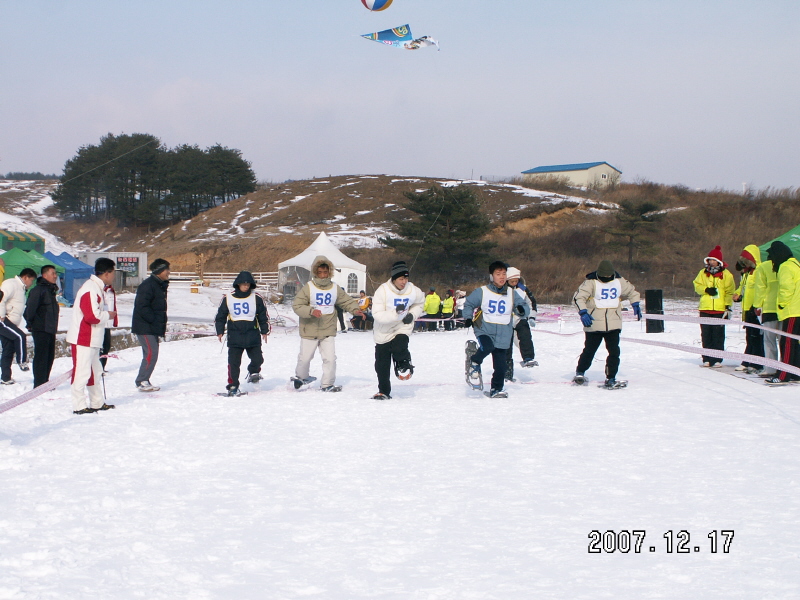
376,5
400,37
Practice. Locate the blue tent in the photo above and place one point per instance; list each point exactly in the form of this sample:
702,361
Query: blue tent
76,273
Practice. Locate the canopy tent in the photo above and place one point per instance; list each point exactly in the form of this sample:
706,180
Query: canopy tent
791,238
296,272
75,275
17,259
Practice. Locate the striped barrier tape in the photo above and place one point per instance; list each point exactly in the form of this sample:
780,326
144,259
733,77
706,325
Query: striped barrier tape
711,321
735,356
36,392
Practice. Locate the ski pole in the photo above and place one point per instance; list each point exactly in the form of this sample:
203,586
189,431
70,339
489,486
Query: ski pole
103,378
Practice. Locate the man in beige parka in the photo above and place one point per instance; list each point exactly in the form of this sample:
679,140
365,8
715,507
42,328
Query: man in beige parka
599,299
316,304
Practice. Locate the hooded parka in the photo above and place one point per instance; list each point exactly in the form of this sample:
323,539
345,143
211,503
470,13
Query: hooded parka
747,285
605,319
244,330
314,294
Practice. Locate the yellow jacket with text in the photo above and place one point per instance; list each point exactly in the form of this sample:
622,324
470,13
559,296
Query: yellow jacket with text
432,303
725,286
789,289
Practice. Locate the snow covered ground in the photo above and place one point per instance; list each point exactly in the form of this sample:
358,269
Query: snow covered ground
438,494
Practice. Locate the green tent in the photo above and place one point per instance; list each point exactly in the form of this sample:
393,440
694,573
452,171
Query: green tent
791,238
17,259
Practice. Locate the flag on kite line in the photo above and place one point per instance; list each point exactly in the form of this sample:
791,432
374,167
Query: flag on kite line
400,37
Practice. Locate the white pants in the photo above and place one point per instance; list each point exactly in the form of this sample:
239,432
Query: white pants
771,342
86,371
327,350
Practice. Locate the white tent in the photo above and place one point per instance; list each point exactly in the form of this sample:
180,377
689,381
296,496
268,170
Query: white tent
295,272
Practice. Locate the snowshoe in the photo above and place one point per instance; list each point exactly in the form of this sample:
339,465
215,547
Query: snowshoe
580,379
331,388
84,411
106,407
614,384
298,383
233,392
254,377
404,370
496,394
528,363
472,370
381,396
775,380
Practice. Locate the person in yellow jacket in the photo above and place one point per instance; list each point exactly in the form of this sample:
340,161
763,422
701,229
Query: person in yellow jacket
715,286
788,304
448,308
432,306
746,264
766,306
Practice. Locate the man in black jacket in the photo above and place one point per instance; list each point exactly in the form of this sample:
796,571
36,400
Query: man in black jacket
41,318
149,321
245,314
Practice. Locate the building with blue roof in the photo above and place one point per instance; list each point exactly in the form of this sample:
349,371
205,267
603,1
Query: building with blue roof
579,174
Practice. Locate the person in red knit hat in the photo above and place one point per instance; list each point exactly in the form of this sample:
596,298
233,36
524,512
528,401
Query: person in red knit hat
714,284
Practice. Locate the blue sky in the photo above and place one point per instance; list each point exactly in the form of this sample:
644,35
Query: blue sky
699,93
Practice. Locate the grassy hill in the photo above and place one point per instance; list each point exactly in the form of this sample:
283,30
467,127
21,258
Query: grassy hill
553,235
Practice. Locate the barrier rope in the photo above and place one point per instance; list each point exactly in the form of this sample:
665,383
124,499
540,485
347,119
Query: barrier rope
36,392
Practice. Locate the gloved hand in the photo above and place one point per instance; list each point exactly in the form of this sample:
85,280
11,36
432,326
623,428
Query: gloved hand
712,291
532,319
586,318
467,322
408,319
520,310
637,311
399,308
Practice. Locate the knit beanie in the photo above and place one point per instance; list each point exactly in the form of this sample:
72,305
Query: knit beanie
399,269
159,265
716,254
605,269
513,273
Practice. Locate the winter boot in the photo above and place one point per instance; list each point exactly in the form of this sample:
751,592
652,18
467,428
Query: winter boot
497,394
529,363
381,396
331,388
580,379
254,377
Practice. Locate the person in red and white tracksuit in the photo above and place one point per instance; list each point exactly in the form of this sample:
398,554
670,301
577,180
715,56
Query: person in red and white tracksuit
85,335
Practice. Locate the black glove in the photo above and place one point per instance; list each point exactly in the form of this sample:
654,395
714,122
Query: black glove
712,291
520,310
467,322
408,319
399,308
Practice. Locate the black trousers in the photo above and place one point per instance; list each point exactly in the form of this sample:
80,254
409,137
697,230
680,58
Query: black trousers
523,331
235,362
14,342
754,338
712,336
449,325
590,346
106,348
340,315
790,349
397,350
44,353
499,355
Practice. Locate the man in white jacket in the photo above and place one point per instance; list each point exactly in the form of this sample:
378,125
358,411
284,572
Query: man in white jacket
395,306
12,307
85,335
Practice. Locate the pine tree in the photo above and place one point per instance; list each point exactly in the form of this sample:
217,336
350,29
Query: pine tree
635,223
448,231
